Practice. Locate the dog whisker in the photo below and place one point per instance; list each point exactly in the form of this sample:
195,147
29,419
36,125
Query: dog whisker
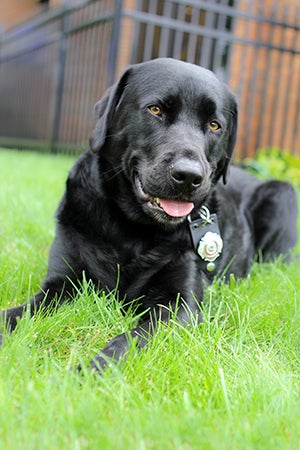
114,172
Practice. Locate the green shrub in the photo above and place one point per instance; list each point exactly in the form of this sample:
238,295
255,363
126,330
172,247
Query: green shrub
275,163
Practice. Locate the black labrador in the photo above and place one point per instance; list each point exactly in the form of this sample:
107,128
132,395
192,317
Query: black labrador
153,206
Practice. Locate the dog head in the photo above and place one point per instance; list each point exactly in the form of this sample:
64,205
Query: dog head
165,134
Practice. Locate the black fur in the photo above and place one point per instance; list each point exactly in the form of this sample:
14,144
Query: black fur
108,218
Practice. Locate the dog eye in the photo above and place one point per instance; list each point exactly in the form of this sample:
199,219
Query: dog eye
214,125
155,110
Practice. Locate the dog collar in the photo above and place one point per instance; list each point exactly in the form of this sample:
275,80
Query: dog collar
206,238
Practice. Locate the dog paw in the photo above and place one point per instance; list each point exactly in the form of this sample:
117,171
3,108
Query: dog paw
97,365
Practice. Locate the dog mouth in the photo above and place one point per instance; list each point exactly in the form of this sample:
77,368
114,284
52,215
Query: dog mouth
170,206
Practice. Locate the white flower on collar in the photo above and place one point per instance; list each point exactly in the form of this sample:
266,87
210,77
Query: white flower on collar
210,246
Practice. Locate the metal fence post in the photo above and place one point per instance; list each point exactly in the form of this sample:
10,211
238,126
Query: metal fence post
60,80
114,43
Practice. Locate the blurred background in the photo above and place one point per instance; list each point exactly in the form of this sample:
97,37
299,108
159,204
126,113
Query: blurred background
57,58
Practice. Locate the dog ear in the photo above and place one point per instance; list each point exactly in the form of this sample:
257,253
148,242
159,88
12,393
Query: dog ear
104,110
233,111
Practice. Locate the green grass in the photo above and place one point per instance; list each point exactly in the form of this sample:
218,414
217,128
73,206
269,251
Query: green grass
231,383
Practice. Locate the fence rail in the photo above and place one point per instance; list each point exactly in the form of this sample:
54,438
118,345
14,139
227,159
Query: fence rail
55,67
52,71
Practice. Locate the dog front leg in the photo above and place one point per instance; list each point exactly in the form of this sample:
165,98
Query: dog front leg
119,346
184,313
52,295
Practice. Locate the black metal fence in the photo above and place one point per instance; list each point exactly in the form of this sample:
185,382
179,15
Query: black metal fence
253,45
52,71
55,67
196,31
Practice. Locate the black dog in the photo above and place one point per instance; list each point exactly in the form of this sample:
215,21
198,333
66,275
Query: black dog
145,201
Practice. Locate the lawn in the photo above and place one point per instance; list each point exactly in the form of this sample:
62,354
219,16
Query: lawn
231,383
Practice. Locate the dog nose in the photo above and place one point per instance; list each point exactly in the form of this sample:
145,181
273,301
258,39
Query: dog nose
187,173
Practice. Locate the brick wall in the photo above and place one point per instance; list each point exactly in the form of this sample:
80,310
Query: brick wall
15,12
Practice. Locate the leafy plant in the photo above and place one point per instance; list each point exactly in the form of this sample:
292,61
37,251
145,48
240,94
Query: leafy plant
275,163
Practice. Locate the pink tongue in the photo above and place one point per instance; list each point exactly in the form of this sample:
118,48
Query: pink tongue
176,208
